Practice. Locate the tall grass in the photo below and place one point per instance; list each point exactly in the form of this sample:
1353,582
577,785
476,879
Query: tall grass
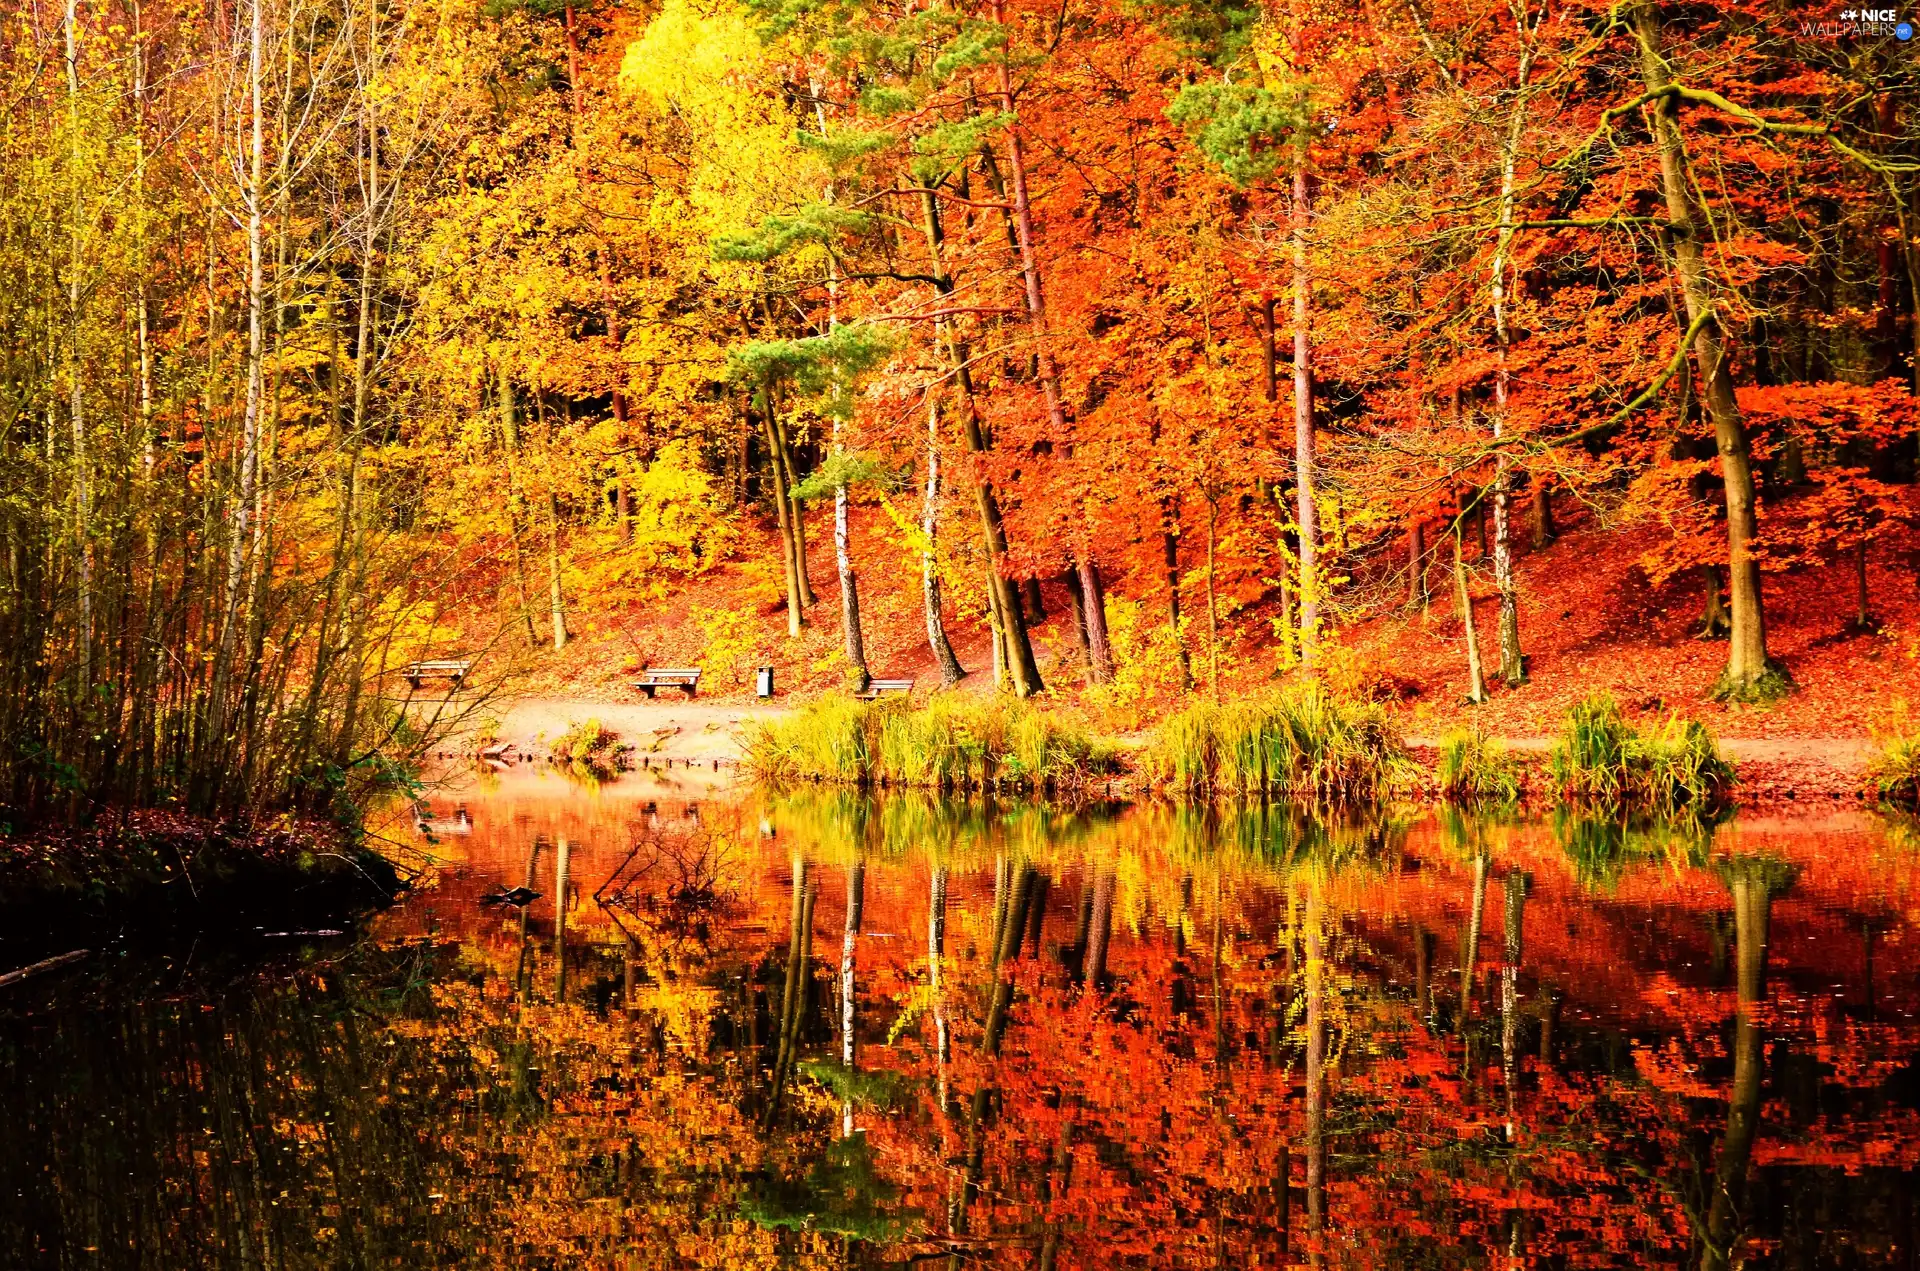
1603,759
1894,768
1476,768
1301,742
949,744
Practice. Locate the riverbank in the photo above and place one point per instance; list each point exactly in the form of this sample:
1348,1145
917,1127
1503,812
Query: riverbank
152,871
1771,770
681,734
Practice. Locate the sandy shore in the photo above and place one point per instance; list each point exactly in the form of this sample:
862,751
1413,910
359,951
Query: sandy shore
672,727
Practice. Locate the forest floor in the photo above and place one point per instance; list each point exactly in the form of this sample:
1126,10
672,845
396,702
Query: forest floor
1589,621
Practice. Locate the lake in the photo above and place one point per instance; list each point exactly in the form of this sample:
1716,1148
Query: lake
738,1028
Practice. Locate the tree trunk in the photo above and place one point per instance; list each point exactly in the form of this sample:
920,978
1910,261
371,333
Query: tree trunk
1512,665
1013,650
510,442
1543,531
1071,579
951,672
1094,602
82,475
796,507
1714,623
244,509
1303,445
997,629
623,509
1269,355
1213,607
1749,671
376,197
1036,609
783,506
855,642
1418,594
1170,550
1037,314
1289,587
856,646
556,601
1463,597
1863,617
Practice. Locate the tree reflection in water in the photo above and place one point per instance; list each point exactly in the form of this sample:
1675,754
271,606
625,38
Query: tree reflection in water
1220,1007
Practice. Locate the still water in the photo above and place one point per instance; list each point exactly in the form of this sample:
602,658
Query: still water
739,1029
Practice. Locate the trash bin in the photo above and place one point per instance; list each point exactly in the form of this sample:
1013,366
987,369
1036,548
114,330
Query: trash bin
764,681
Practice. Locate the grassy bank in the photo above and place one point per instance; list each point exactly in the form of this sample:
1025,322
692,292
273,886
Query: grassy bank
949,744
1475,768
152,871
1301,742
1603,760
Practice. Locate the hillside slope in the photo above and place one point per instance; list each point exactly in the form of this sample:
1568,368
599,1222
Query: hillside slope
1589,621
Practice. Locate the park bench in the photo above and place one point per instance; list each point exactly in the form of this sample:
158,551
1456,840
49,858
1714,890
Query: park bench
659,677
454,671
875,688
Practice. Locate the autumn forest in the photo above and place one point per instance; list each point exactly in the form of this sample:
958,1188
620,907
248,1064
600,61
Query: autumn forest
1043,633
339,334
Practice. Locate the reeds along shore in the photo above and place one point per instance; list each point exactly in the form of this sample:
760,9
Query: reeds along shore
1602,759
947,745
1302,742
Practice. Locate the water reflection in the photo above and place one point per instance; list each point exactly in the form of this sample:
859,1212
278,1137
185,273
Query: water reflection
829,1029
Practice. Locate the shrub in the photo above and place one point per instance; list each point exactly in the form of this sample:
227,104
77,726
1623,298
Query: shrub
1476,768
1146,665
1303,742
731,644
590,744
1603,759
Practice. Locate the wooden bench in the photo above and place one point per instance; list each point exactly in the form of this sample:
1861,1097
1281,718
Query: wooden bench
659,677
875,688
454,671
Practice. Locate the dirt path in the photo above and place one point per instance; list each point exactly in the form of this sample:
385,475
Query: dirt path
669,727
